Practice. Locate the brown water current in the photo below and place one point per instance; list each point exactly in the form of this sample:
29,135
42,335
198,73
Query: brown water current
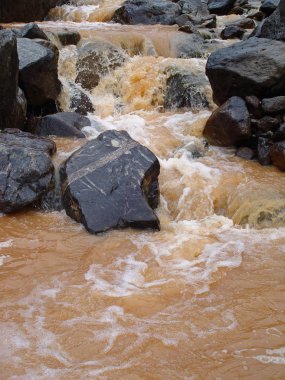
203,299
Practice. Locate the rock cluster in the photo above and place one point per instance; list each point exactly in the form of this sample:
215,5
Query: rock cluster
248,85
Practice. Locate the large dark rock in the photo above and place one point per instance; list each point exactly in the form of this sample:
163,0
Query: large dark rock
229,124
26,10
220,7
277,154
38,72
27,172
62,124
96,59
147,12
8,79
186,90
195,8
255,66
273,27
112,182
269,6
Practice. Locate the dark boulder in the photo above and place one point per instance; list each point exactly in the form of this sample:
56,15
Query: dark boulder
232,31
147,12
196,8
27,172
255,66
277,154
254,106
220,7
8,79
38,72
26,10
96,59
186,90
112,182
68,37
229,124
274,105
32,31
62,124
273,27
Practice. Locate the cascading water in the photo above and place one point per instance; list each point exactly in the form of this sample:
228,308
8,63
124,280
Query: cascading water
202,298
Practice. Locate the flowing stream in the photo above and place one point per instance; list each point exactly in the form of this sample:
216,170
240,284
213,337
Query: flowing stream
203,299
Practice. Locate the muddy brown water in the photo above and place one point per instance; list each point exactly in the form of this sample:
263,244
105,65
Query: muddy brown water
203,299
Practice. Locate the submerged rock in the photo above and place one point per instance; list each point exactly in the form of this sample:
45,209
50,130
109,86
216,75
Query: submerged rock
147,12
252,67
95,60
27,172
38,72
8,79
111,182
229,124
62,124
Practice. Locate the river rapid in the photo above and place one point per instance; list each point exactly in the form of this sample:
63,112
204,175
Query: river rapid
203,299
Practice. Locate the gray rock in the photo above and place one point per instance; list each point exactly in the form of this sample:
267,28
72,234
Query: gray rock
38,72
112,182
255,66
79,101
220,7
32,31
232,32
277,155
95,60
274,105
27,172
273,27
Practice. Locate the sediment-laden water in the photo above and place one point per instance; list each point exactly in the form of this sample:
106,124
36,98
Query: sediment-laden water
201,299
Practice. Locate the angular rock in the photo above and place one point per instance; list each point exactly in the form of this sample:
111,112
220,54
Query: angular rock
194,7
38,72
26,10
220,7
186,90
27,172
274,105
273,27
32,31
8,79
67,37
277,155
95,60
147,12
112,182
232,32
229,124
255,66
62,124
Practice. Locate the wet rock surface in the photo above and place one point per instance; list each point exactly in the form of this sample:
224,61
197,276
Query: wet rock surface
27,172
147,12
252,67
112,182
62,124
8,79
277,155
229,124
97,59
273,27
38,72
